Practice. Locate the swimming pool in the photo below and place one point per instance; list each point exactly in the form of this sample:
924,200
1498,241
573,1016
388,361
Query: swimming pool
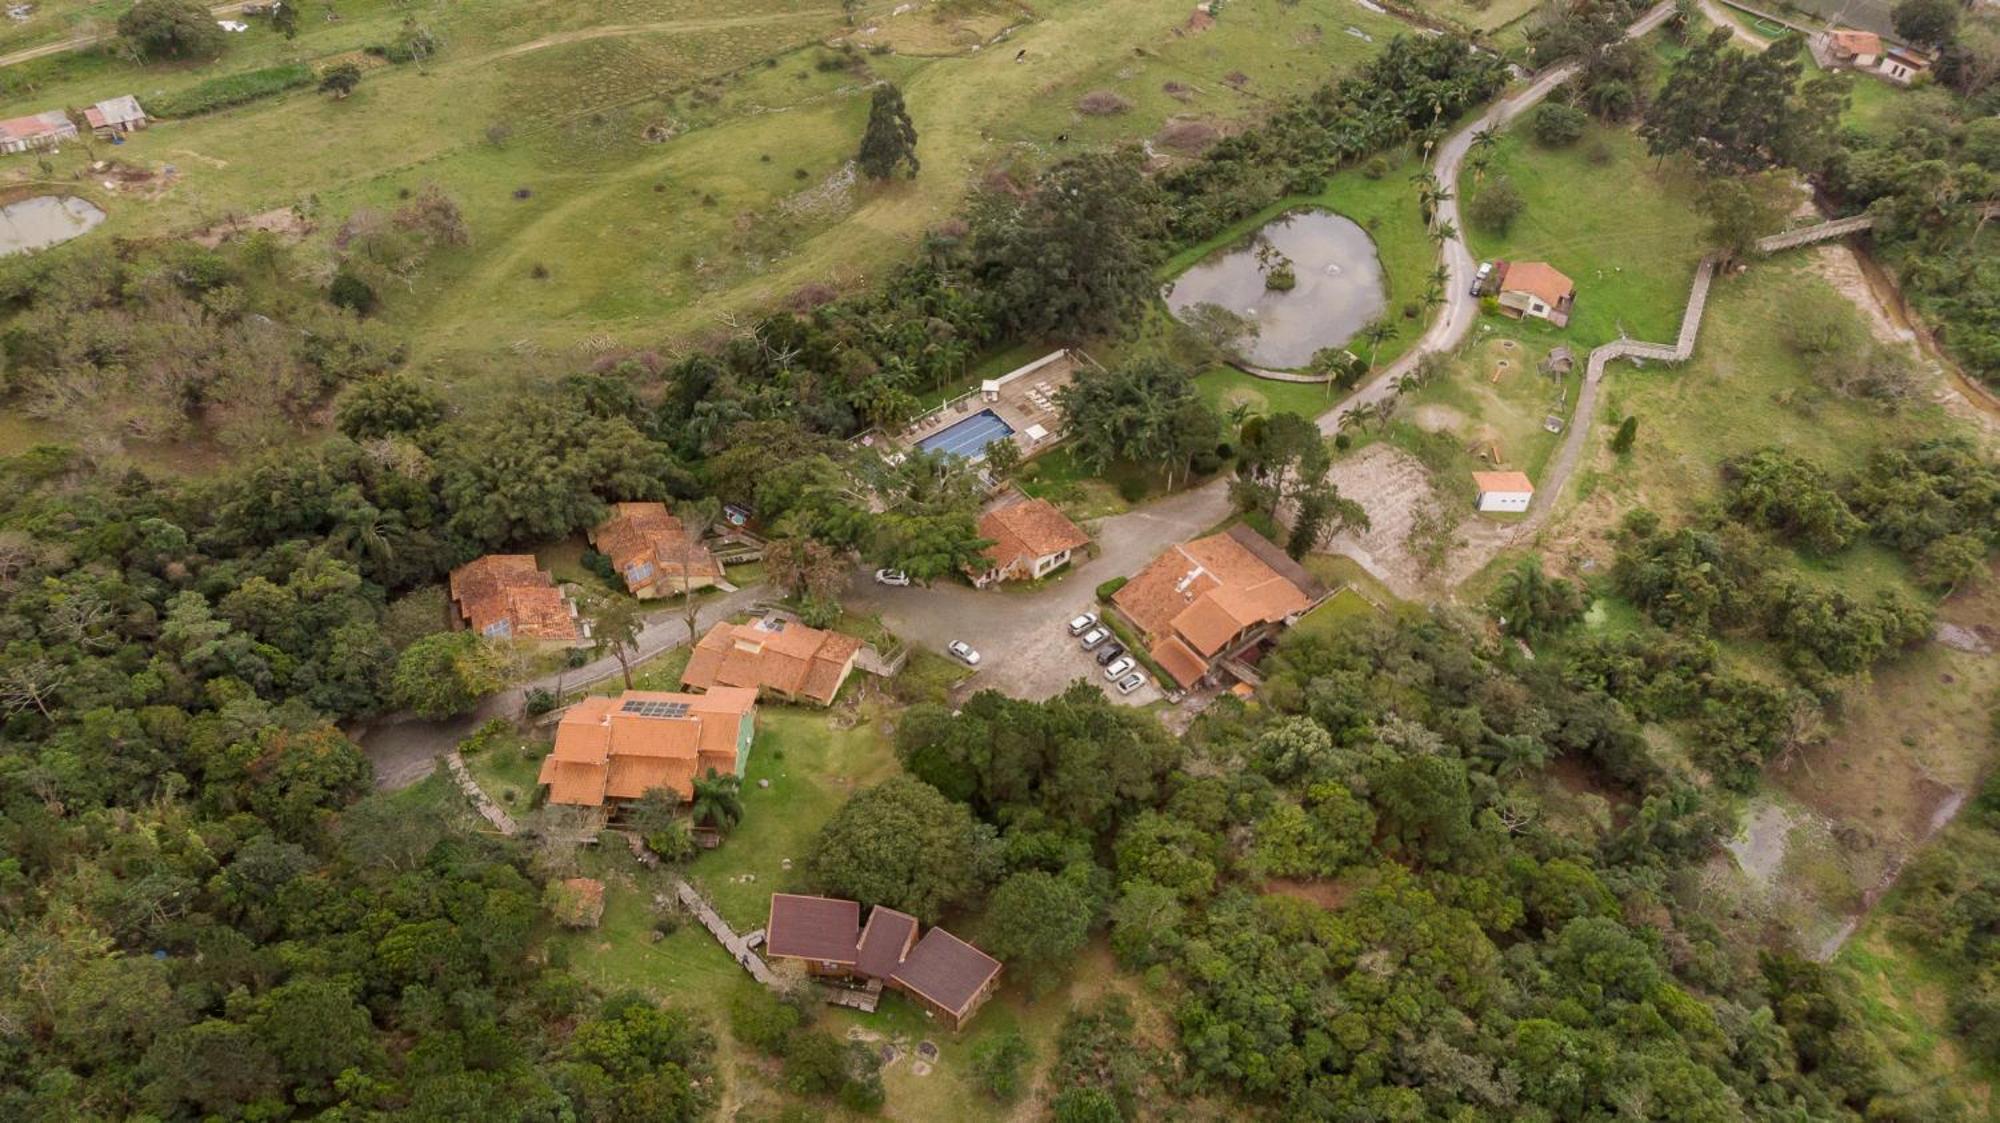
968,439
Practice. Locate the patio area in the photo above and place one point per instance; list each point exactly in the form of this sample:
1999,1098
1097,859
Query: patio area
1019,406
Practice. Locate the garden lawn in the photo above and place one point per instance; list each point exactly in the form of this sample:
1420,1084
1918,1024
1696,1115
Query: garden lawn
812,768
1489,406
1339,613
1226,388
1628,233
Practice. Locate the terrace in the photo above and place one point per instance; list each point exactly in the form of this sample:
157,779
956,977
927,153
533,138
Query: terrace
1019,406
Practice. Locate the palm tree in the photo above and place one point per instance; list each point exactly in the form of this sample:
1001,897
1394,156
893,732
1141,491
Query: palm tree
1377,332
718,801
1443,232
1238,413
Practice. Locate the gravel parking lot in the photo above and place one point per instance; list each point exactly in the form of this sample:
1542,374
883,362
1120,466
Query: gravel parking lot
1022,634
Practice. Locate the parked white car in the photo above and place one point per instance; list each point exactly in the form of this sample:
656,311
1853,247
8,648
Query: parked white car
1131,682
1083,623
894,577
1479,279
964,651
1119,666
1094,637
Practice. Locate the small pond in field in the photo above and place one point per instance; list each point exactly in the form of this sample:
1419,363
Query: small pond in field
1339,286
44,221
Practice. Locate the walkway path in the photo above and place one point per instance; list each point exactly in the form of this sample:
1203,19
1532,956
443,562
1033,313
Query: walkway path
405,749
737,946
1460,308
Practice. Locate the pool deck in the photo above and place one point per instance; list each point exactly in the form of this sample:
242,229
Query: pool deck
1023,398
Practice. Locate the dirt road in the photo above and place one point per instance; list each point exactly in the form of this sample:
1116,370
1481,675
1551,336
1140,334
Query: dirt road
79,42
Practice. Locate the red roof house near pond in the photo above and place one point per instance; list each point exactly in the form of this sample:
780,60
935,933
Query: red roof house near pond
948,977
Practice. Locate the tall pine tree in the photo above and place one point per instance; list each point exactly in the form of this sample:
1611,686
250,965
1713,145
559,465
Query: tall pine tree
891,139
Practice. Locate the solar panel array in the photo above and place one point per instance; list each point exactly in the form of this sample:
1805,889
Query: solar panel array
655,709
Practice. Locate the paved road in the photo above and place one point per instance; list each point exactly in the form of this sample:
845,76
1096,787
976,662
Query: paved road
405,750
1737,31
1024,649
1460,308
79,42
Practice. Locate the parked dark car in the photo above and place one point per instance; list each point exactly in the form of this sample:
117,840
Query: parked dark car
1109,652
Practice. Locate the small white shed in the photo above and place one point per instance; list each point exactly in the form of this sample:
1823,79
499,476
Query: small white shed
1504,491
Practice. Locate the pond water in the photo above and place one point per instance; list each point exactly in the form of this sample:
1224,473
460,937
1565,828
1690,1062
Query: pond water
1339,287
44,221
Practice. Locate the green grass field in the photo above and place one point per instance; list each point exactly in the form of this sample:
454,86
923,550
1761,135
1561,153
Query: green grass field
1626,232
534,118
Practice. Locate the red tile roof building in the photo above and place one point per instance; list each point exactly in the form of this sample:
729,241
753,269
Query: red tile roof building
1031,539
507,596
775,655
621,748
1199,599
653,551
942,973
1536,288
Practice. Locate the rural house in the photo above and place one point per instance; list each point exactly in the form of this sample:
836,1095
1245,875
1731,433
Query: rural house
946,976
1538,289
36,131
507,596
118,115
621,748
1031,539
1203,601
774,655
1503,491
1847,49
653,551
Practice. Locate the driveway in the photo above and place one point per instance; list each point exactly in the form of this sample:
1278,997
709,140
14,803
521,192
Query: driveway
405,749
1025,650
1460,307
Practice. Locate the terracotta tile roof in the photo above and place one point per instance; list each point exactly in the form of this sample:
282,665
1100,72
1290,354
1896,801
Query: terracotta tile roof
1538,279
820,928
1502,481
1030,529
946,970
780,655
620,748
646,543
1852,42
507,595
1205,593
885,941
1178,660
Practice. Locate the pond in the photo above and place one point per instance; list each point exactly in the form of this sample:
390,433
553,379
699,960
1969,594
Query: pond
1339,287
44,221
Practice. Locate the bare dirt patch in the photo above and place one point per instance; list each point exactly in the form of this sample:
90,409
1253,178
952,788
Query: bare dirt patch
1836,263
284,222
1390,485
1325,894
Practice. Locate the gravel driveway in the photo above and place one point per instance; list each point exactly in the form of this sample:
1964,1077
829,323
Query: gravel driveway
1026,651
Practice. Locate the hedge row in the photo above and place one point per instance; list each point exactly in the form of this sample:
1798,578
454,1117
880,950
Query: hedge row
232,89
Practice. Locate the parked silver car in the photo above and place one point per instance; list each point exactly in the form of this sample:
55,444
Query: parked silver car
1083,623
1094,637
964,651
1131,682
1118,667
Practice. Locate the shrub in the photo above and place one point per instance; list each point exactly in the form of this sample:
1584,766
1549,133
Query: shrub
996,1065
1496,206
1132,489
1558,126
351,292
231,90
1375,168
1109,588
170,29
760,1020
539,702
1102,103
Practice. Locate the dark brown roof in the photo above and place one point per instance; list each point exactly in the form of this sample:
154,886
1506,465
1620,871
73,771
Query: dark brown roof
819,928
884,941
946,970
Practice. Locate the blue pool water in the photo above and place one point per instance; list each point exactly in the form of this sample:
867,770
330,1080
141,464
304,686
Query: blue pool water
968,439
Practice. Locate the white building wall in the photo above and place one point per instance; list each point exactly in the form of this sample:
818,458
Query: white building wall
1514,501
